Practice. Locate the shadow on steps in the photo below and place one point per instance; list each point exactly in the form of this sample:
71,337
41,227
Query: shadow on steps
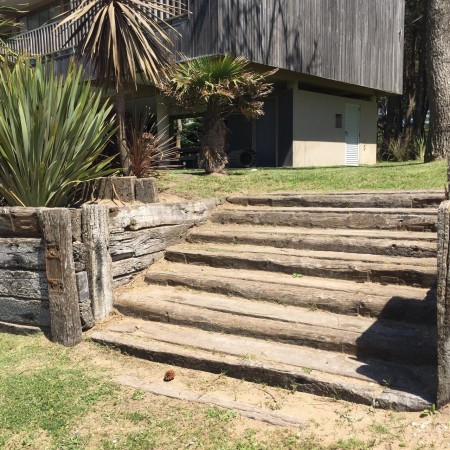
405,348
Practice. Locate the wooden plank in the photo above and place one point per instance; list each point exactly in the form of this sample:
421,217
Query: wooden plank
134,265
23,284
95,223
160,214
443,306
253,412
25,254
19,222
26,312
65,319
143,242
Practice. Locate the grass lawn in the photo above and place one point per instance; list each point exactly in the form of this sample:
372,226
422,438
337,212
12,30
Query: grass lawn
193,184
67,399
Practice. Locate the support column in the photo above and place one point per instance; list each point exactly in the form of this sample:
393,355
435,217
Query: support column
65,322
443,306
95,227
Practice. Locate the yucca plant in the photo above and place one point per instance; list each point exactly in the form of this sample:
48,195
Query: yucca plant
218,86
52,134
123,39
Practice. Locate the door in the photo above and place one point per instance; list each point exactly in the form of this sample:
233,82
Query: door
352,135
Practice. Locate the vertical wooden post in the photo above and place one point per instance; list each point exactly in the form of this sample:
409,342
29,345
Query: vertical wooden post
65,322
443,305
95,226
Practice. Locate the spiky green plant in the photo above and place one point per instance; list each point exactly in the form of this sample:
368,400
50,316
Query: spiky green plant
218,86
52,134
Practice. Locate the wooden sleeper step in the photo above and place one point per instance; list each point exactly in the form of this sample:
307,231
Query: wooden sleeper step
353,335
345,266
348,218
375,242
369,381
342,297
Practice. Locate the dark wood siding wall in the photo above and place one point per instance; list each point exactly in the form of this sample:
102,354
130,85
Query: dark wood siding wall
198,34
353,41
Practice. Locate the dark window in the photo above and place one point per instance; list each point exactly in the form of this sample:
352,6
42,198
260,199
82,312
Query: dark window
338,120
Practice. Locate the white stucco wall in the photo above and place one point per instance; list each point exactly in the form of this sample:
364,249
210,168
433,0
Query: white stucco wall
317,141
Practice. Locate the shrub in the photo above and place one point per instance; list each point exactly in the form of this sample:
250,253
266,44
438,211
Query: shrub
147,149
52,133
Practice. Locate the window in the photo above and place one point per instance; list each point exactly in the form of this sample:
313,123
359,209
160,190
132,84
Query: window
339,121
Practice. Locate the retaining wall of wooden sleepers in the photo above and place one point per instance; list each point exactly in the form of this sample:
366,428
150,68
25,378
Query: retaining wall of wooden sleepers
59,266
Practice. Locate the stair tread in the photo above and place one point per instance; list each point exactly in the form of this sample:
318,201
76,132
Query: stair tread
269,311
276,278
248,251
327,209
406,385
234,315
426,237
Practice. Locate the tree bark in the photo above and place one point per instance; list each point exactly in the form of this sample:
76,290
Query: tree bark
213,157
439,77
121,128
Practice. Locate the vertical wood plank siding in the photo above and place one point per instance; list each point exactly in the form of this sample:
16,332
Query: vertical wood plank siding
354,41
357,42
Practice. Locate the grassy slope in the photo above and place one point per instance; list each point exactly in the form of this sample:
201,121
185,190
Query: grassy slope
386,176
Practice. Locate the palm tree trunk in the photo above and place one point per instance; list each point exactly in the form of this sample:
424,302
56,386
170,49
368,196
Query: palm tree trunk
121,128
439,72
213,157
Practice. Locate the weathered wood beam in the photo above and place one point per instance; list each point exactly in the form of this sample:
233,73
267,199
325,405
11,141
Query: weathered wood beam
443,306
95,226
19,222
65,322
160,214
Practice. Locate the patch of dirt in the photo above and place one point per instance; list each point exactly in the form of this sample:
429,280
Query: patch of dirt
328,420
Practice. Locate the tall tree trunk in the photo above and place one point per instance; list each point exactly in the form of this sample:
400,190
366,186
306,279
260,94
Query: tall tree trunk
439,76
213,157
213,140
121,128
421,109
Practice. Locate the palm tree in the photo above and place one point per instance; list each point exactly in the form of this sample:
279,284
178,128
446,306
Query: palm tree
6,24
218,86
121,39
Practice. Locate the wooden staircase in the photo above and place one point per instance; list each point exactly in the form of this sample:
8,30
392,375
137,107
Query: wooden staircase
331,294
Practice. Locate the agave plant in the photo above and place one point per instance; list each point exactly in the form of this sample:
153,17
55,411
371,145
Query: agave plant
52,134
121,39
219,86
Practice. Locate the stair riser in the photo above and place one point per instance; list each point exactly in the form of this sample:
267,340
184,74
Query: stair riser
343,201
301,382
339,302
386,346
343,220
322,243
316,268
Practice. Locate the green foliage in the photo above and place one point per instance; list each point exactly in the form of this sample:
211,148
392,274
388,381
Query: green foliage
41,392
385,176
6,25
220,86
52,133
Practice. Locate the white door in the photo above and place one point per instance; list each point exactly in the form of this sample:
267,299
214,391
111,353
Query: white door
352,135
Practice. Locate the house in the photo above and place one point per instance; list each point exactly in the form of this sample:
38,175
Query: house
335,57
